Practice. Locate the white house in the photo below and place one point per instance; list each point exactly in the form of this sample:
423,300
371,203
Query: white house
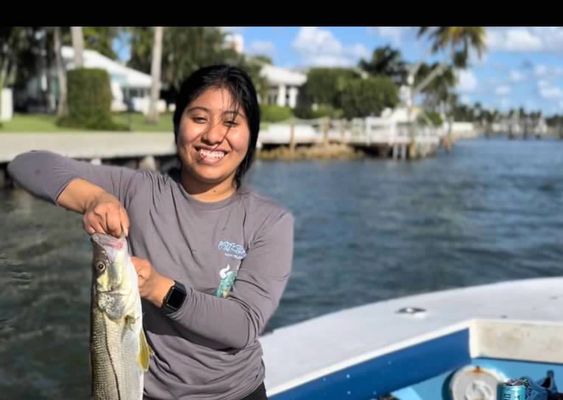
131,86
283,85
127,84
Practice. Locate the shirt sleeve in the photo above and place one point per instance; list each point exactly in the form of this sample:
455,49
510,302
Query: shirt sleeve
46,175
237,320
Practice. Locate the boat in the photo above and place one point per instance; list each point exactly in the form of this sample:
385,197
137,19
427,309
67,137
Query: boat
455,344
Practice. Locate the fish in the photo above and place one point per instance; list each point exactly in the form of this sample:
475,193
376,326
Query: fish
119,351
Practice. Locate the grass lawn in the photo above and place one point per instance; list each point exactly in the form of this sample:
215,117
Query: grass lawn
46,123
38,123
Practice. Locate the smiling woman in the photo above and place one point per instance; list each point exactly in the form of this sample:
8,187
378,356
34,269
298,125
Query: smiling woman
212,141
212,257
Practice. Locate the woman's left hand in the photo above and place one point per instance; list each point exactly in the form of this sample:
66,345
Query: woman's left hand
152,285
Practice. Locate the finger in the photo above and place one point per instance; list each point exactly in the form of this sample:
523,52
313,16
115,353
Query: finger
98,219
137,263
124,221
113,223
92,225
89,229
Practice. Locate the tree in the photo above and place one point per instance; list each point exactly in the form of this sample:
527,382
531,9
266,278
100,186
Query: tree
62,107
184,50
388,62
440,89
364,97
155,75
100,39
22,53
459,39
325,85
78,46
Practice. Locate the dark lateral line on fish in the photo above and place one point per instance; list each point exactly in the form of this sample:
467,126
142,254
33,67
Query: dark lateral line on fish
111,361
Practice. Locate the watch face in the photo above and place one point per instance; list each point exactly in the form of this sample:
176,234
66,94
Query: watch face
176,298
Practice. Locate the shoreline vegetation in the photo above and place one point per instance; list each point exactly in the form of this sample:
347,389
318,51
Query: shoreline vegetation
333,151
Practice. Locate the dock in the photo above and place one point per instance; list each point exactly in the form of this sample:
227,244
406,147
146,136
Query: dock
157,150
148,150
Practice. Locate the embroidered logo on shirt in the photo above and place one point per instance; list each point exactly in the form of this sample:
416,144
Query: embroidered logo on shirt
227,281
232,249
229,274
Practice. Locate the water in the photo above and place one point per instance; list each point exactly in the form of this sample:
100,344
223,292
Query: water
366,230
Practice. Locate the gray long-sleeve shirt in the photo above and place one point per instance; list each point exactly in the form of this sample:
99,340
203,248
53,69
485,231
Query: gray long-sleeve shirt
234,257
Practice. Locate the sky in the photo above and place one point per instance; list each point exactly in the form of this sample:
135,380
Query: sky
522,66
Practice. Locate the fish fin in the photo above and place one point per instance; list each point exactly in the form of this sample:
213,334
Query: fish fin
145,352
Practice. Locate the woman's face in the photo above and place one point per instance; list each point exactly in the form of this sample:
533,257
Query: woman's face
213,138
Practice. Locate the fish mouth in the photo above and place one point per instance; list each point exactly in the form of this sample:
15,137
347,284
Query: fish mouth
106,241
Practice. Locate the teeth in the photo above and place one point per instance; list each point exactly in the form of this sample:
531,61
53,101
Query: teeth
211,154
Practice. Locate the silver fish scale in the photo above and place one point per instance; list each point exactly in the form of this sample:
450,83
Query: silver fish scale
115,375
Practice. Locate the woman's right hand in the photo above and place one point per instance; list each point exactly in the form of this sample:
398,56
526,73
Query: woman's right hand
106,214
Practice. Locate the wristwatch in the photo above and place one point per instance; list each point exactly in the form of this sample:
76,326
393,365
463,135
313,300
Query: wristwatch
174,298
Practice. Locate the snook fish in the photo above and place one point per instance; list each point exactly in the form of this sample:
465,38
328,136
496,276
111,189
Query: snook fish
119,352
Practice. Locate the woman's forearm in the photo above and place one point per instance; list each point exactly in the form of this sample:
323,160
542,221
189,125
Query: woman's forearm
79,195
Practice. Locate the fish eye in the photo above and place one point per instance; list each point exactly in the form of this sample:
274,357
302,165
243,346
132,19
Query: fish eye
100,266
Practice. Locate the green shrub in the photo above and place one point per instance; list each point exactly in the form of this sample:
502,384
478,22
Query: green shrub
271,113
89,100
365,97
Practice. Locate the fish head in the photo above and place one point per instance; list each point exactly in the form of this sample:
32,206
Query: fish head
114,277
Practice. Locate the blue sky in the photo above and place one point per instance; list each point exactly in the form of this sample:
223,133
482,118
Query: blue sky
522,67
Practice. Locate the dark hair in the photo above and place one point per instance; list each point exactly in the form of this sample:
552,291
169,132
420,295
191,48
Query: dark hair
241,88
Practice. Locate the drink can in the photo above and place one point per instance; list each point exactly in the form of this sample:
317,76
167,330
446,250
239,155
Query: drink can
514,389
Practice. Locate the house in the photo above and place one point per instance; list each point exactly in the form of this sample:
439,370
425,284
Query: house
131,88
283,85
128,86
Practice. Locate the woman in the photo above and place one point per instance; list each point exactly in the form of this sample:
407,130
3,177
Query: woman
213,257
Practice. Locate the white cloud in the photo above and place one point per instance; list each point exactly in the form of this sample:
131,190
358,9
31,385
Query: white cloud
313,39
542,83
465,99
232,29
502,90
319,47
393,33
262,47
550,92
467,81
516,76
522,39
359,51
540,70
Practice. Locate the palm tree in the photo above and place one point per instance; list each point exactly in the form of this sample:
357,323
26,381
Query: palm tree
439,90
78,45
62,108
386,61
155,74
460,40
